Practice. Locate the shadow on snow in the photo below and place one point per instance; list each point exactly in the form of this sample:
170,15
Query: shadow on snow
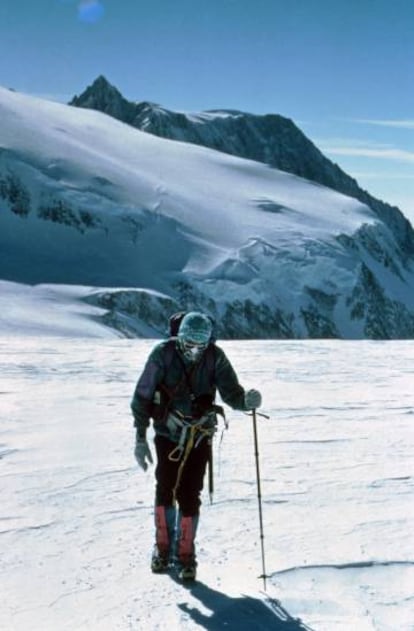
242,613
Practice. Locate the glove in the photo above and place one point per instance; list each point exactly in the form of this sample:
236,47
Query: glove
252,399
142,453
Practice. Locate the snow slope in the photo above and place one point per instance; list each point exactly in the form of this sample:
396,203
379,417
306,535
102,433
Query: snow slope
44,310
216,189
87,200
68,311
336,456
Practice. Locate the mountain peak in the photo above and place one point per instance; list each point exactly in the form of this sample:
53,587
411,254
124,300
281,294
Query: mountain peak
271,139
101,95
99,87
102,80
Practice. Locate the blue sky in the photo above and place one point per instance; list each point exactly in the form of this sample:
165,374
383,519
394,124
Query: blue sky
341,69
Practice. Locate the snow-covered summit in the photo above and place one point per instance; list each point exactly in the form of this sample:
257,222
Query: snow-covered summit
88,200
272,139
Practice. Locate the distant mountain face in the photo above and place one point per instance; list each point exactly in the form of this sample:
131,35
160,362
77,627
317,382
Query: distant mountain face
153,226
271,139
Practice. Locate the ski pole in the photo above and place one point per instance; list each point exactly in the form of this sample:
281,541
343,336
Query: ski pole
259,496
210,473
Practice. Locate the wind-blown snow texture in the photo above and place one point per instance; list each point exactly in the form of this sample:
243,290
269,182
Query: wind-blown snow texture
87,200
336,456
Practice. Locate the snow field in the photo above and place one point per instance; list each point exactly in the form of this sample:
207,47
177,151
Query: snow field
337,485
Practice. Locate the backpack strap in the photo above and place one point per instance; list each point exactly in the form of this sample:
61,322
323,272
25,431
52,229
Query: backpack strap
211,362
167,394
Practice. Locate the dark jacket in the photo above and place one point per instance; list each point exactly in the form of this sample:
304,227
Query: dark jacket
213,371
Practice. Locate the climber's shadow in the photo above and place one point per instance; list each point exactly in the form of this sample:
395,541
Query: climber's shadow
242,613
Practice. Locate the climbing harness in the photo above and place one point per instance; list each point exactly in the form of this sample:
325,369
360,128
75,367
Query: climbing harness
192,432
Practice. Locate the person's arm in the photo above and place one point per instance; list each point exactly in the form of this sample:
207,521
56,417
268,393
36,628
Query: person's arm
229,387
227,382
147,384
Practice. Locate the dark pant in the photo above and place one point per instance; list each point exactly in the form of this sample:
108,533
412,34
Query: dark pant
191,483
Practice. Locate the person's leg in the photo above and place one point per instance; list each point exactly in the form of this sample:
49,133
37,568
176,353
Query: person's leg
191,483
188,497
166,471
164,511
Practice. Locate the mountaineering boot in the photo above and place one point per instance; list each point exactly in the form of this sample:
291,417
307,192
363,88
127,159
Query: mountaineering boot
188,572
159,562
187,563
165,517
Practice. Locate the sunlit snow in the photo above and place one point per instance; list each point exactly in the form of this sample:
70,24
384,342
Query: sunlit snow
337,484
